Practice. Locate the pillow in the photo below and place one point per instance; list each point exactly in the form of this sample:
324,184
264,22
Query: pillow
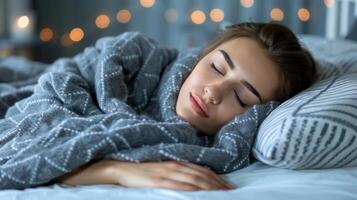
317,128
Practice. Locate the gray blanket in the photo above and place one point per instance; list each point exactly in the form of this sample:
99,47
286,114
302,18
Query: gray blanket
115,100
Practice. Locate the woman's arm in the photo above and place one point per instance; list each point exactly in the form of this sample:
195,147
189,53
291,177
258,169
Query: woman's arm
169,174
92,173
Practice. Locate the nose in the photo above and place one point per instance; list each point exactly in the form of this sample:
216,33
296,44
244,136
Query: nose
214,93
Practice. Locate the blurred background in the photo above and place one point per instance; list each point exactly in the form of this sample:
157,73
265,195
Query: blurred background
44,30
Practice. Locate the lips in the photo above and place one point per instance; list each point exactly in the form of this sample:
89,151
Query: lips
198,105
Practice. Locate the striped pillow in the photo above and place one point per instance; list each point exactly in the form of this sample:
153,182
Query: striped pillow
317,128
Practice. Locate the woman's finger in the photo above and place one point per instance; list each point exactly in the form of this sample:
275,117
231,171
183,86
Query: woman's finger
172,166
204,176
208,172
173,184
193,179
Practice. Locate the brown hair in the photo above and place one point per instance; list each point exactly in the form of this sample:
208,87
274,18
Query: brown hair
297,66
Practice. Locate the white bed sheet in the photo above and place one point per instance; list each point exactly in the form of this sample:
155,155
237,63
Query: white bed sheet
258,181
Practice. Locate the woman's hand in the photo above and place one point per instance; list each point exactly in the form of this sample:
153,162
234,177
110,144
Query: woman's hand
168,174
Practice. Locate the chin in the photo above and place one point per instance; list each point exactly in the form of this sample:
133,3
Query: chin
185,115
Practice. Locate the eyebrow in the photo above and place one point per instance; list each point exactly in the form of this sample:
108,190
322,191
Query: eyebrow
244,82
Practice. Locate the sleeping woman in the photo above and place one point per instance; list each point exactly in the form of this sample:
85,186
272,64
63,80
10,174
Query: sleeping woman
247,64
129,112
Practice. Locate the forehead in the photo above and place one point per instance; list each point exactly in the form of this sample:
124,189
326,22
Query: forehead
252,63
242,43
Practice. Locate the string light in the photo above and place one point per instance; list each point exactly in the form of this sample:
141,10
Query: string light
328,3
102,21
23,22
216,15
247,3
304,14
171,15
46,34
198,17
147,3
123,16
76,34
277,14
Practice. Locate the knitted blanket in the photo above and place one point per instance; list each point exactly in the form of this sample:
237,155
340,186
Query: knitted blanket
115,100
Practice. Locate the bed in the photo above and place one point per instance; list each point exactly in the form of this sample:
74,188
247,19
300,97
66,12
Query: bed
265,177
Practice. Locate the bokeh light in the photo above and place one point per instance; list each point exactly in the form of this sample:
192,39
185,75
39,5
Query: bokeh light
247,3
277,14
23,21
304,14
198,17
147,3
328,3
216,15
171,15
46,34
102,21
76,34
123,16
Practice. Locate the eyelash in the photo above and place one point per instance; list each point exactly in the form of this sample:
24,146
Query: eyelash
220,73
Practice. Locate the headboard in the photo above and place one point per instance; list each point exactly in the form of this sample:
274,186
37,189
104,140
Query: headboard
340,16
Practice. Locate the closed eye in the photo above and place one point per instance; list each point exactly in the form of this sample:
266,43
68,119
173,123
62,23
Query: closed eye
215,69
240,101
235,93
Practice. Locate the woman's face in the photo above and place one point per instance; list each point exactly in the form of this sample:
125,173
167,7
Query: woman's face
227,82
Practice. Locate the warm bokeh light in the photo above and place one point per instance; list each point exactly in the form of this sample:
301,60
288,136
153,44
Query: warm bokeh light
328,3
171,15
198,17
76,34
46,34
247,3
66,41
102,21
216,15
277,14
147,3
23,21
304,14
123,16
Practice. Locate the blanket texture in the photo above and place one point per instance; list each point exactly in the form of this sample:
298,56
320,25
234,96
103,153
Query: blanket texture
115,100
